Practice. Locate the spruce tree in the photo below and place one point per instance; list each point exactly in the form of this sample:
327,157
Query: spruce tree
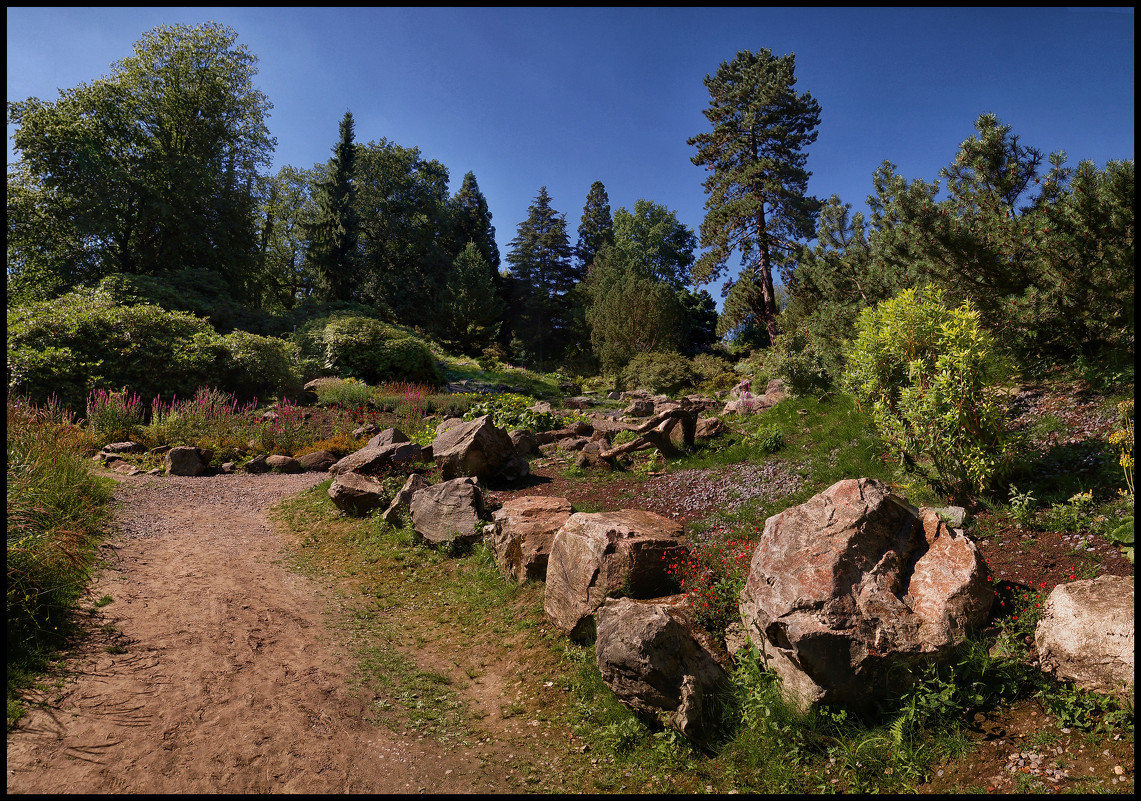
332,248
755,158
472,223
543,282
469,313
596,228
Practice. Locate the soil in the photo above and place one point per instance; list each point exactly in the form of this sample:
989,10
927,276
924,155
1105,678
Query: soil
215,667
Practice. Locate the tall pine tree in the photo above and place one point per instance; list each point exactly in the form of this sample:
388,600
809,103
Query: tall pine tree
332,248
755,158
596,228
472,223
543,279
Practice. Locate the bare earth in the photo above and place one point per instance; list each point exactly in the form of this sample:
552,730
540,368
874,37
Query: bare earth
214,669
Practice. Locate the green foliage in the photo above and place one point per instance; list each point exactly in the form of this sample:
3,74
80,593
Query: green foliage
713,573
255,366
652,238
151,169
630,313
596,230
348,392
666,373
1122,535
84,341
331,249
470,312
1022,507
55,512
925,375
210,418
511,411
365,348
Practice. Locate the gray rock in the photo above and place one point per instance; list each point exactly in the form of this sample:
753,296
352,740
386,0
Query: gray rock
448,511
284,464
317,461
402,503
356,494
1086,634
257,464
374,460
389,436
476,448
186,460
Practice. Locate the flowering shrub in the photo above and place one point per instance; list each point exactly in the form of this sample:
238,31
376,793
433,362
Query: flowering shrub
283,430
207,419
713,574
113,416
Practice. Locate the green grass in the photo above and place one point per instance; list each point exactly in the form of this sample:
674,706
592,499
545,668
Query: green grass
56,511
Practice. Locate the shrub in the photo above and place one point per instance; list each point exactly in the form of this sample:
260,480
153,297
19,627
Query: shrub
348,393
255,365
666,373
113,416
84,340
926,374
713,574
209,418
362,347
510,410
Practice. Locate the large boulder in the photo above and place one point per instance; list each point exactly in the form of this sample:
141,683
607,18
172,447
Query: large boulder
595,556
523,532
855,586
357,494
186,460
389,436
448,511
284,464
477,448
401,505
371,460
1086,634
743,401
659,662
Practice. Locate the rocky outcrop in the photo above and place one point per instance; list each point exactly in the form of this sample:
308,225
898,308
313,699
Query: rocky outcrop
448,511
595,556
745,402
856,584
477,448
523,532
1085,634
651,654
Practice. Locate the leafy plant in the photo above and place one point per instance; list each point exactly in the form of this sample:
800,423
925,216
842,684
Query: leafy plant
926,374
1122,535
114,416
713,574
510,410
1021,507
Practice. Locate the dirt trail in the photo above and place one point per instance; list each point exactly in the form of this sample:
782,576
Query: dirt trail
214,669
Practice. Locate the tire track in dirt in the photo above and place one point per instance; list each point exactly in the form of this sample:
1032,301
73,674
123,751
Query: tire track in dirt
214,669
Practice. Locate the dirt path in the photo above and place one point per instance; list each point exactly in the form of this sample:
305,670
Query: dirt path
213,669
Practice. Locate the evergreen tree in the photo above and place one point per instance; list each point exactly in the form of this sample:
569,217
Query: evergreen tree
332,248
596,229
472,223
544,280
755,157
469,313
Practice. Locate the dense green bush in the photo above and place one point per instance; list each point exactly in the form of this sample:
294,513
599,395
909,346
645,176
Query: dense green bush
666,373
257,366
926,374
85,340
356,346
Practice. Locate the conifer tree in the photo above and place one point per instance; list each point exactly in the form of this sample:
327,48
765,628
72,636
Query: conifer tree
332,245
472,223
469,313
543,282
757,180
596,228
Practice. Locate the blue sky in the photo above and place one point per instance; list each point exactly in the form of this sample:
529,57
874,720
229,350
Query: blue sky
561,98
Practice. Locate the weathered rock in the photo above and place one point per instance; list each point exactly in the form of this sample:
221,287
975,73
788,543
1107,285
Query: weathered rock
448,511
367,430
524,442
579,402
592,460
186,460
651,655
358,494
284,464
595,556
639,407
522,534
745,402
389,436
257,464
123,447
402,502
1086,634
375,460
855,584
126,468
446,423
318,461
475,448
709,427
